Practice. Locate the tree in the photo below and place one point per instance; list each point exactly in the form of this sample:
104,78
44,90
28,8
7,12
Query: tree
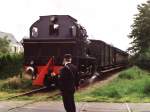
140,33
4,45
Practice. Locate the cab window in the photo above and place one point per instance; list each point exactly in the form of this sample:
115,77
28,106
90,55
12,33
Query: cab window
34,31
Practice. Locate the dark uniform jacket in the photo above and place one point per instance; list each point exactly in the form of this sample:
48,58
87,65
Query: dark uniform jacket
35,69
69,78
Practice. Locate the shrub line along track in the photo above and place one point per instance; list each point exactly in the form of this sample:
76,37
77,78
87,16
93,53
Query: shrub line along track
57,93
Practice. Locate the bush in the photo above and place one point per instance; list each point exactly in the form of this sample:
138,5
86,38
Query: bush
145,64
126,75
134,73
12,83
10,65
16,83
147,88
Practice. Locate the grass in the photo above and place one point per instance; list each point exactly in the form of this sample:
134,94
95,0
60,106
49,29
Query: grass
14,85
132,85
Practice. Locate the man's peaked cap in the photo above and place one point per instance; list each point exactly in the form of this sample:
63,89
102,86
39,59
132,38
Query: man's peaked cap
67,56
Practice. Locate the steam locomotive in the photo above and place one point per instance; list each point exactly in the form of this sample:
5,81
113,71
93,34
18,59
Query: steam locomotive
53,36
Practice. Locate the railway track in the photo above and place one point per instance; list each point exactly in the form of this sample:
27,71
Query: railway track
34,101
57,93
93,79
26,93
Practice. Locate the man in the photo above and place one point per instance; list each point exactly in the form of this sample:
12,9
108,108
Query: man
69,82
32,69
34,73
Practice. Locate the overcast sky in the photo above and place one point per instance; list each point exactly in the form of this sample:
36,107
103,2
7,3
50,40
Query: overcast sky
107,20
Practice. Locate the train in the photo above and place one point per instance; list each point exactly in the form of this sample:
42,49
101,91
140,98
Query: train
53,36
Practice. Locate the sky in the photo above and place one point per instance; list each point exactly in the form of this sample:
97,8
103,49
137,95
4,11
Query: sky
106,20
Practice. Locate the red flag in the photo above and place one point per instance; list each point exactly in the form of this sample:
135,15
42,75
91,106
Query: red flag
40,77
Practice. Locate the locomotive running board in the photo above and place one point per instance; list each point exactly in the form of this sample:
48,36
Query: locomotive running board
104,71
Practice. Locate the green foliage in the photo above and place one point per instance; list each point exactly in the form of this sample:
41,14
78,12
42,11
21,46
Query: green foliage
10,65
147,89
110,92
135,87
133,73
140,29
140,35
4,46
132,85
15,83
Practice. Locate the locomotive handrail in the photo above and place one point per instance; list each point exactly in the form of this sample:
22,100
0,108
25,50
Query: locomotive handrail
48,39
70,42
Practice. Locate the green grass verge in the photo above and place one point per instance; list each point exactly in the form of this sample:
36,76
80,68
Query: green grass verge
132,85
13,86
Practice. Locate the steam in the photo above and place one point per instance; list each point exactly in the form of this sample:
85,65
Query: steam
94,77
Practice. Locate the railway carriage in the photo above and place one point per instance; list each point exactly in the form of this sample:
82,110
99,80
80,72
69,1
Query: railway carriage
53,36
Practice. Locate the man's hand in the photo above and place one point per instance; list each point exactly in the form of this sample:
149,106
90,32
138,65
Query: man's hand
53,74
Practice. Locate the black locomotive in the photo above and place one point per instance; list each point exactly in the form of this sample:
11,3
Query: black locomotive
56,35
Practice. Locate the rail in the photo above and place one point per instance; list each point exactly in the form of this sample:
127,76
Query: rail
26,93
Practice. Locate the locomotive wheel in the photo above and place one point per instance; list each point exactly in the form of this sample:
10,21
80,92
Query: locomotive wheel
50,81
81,81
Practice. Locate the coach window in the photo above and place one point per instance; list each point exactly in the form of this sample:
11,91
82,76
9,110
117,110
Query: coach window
34,31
